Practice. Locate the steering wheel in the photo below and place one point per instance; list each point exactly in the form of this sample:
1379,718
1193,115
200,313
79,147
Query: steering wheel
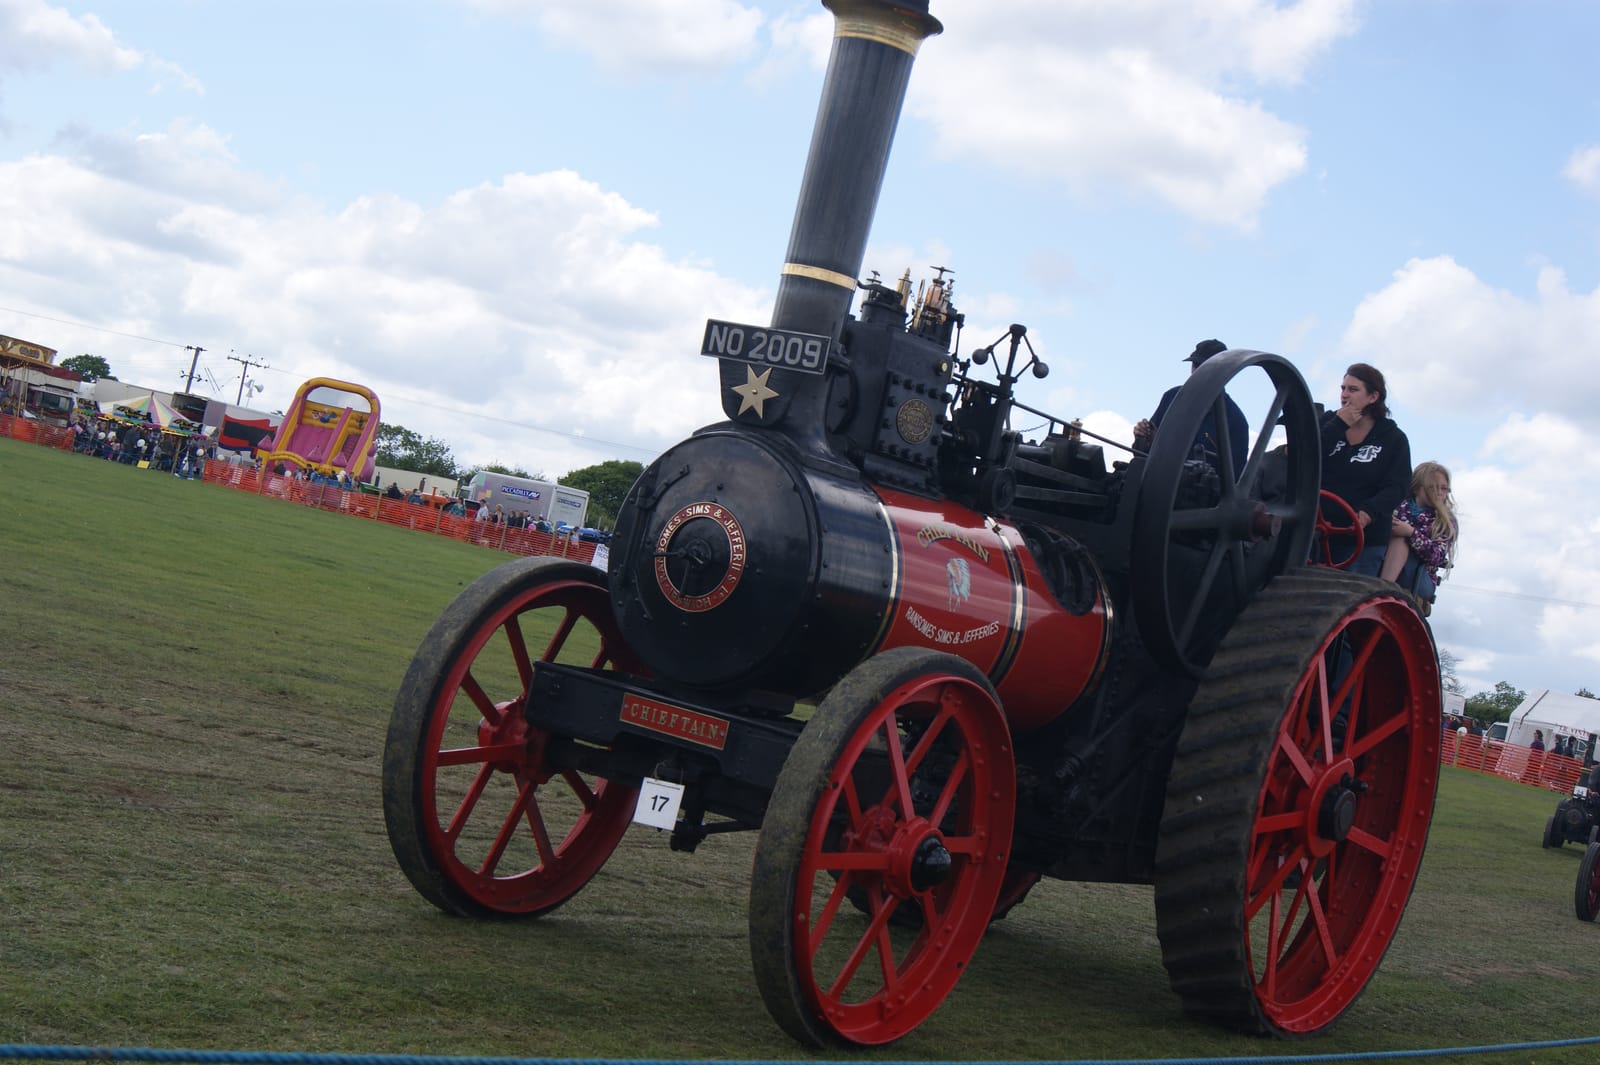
1198,558
1326,530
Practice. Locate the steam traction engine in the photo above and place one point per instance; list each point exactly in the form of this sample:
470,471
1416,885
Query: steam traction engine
933,661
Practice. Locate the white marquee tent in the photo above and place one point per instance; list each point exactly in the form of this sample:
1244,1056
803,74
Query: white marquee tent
1555,714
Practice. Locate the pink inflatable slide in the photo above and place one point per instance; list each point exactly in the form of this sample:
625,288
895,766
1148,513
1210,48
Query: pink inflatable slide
331,428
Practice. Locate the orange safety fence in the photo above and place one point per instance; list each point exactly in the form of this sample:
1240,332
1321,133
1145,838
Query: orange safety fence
422,517
32,431
1539,769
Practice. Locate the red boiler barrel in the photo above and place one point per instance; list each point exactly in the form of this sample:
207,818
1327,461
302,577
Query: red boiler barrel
967,584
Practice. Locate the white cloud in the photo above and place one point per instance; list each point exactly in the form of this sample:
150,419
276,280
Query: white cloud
797,38
1447,339
1583,169
1259,39
633,36
531,301
1109,425
35,35
1279,42
1523,603
187,160
1105,96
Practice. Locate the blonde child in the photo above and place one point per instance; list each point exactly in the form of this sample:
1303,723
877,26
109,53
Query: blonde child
1423,537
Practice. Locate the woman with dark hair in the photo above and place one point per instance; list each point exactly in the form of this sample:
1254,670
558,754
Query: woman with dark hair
1366,461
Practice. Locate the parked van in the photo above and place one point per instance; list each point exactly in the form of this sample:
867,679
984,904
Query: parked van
553,502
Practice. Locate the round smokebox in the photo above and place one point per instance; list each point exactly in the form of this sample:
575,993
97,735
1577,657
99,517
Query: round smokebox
717,558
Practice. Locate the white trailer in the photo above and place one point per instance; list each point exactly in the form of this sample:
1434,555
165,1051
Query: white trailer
570,507
541,499
510,493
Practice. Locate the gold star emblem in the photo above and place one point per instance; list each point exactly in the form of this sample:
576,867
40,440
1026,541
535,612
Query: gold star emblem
754,393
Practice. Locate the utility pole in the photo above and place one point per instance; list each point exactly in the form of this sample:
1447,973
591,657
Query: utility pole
246,362
192,364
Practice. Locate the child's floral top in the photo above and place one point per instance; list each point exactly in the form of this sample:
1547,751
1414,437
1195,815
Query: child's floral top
1432,553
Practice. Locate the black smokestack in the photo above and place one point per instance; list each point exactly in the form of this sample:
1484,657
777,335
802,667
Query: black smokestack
874,45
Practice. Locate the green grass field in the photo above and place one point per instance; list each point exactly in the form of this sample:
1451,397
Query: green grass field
196,687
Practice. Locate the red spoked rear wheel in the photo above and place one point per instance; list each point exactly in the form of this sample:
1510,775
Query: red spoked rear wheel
486,815
902,791
1299,804
1586,897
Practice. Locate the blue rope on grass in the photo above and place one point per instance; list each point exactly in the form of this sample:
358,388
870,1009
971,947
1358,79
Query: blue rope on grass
24,1052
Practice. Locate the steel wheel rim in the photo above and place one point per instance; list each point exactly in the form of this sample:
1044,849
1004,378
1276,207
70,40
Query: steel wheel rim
508,753
1330,867
878,843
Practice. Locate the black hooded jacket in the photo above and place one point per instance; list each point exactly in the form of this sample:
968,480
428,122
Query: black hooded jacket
1373,475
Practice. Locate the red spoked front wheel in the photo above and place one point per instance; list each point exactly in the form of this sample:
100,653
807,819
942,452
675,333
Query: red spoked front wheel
901,791
1299,804
486,815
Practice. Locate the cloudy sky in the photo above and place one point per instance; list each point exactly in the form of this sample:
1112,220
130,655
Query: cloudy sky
512,217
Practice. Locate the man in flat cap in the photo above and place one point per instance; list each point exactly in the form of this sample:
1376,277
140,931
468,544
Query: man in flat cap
1206,438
